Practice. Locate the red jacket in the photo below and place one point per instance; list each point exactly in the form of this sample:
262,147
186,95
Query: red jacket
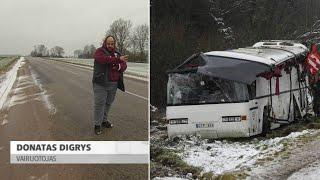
113,62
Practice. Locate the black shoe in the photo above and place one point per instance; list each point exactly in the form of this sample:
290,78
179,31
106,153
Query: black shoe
107,124
97,129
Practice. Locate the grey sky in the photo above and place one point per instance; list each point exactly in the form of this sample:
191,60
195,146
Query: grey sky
70,24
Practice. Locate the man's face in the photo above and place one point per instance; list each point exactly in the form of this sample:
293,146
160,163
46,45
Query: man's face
110,43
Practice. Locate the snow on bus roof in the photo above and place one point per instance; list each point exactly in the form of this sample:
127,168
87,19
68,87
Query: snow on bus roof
268,52
239,55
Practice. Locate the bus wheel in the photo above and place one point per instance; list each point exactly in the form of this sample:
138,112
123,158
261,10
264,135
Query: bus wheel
265,122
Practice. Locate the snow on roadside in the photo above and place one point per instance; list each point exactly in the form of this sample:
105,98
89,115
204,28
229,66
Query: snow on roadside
23,82
137,69
8,81
44,94
311,172
168,178
223,156
5,120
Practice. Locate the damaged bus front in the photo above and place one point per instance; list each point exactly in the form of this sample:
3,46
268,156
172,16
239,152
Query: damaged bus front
210,95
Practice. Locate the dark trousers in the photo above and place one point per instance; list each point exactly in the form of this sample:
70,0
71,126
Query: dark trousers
103,98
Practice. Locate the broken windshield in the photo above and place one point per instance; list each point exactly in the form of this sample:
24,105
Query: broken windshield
233,69
196,88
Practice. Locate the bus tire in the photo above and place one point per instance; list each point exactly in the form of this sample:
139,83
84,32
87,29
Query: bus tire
265,122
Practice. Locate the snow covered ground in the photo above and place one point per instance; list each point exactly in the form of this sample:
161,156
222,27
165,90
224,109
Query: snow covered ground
140,69
7,80
168,178
43,95
22,82
311,172
224,156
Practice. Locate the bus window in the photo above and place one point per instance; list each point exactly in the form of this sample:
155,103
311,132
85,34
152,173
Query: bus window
252,90
196,88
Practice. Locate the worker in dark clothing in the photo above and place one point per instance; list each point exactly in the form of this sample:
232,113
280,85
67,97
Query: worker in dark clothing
108,69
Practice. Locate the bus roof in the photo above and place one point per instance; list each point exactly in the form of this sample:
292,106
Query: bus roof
268,52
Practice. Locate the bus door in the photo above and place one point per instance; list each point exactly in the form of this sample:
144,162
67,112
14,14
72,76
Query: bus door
253,109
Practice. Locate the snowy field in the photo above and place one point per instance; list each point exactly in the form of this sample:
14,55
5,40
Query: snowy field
139,69
227,156
248,156
4,61
312,172
169,178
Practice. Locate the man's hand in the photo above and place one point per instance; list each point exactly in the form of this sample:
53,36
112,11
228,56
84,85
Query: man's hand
124,58
115,66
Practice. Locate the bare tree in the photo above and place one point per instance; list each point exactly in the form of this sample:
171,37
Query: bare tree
60,51
141,35
42,50
92,50
313,35
47,53
120,29
133,46
88,51
52,52
138,42
39,51
77,53
56,51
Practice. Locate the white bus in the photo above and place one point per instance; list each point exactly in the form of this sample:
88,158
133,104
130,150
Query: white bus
238,93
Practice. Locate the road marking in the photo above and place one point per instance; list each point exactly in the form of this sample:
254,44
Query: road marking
136,95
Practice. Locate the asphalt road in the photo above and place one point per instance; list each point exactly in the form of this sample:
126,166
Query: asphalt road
54,101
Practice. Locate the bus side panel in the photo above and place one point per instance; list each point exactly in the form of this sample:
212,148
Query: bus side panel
281,102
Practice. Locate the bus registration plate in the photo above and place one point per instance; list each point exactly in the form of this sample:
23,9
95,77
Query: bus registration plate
204,125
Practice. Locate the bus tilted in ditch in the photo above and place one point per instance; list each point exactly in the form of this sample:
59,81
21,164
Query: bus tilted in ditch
238,93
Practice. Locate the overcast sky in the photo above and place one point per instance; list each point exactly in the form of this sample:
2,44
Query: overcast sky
70,24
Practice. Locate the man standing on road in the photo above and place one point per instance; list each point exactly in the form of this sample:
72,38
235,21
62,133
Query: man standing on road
108,69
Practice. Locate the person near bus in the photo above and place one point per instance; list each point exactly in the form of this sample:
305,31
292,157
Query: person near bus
108,69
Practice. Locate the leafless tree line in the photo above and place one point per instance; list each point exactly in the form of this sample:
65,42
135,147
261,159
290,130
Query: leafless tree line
86,52
131,40
42,51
